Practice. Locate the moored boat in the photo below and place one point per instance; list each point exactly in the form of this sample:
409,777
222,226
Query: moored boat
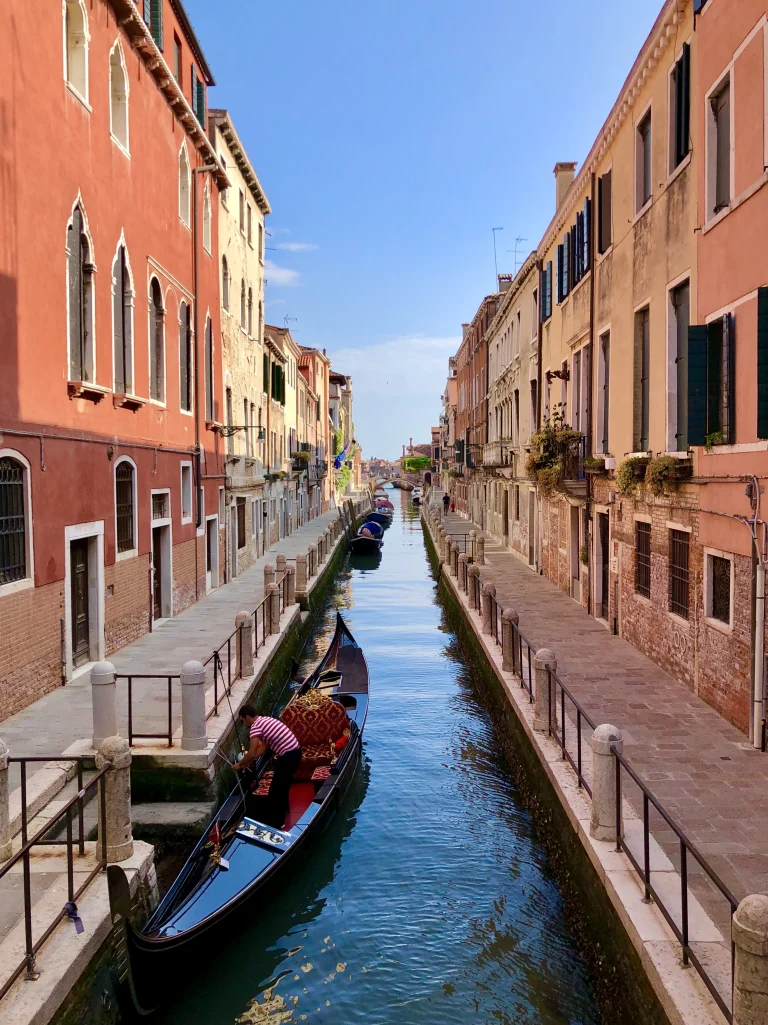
365,544
382,516
239,857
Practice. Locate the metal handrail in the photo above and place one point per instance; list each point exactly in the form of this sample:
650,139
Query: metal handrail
23,854
560,738
169,678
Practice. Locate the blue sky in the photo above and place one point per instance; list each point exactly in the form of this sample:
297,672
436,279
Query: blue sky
390,139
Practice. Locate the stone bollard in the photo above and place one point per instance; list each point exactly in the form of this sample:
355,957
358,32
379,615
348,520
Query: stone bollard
749,931
463,572
474,585
602,823
473,545
543,659
447,549
301,574
480,551
115,754
291,589
244,627
328,540
194,736
273,591
269,575
489,608
6,847
103,700
279,565
510,653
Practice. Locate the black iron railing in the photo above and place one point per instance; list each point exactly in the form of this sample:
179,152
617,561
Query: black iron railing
558,718
42,838
170,679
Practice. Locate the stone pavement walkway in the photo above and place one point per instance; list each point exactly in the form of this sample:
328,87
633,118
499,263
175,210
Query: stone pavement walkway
56,721
700,767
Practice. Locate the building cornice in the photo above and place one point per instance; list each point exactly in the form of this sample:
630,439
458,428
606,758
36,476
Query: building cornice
660,37
518,284
131,22
223,121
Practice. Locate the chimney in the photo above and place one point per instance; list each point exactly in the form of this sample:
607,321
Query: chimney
464,329
505,280
564,173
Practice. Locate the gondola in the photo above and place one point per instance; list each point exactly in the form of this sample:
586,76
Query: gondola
416,496
238,857
368,539
382,516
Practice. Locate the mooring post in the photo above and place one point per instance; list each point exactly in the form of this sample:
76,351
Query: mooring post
194,735
274,608
489,608
291,589
244,627
463,572
103,702
480,550
509,621
602,823
301,574
115,754
6,847
749,931
269,575
544,662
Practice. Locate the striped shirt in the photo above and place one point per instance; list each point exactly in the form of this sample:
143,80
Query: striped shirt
274,733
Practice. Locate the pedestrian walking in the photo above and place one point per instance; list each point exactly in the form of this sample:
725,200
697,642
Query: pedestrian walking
446,500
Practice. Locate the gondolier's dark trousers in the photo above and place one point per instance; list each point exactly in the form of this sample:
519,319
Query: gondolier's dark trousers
273,809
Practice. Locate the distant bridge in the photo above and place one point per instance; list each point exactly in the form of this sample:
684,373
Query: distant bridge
406,482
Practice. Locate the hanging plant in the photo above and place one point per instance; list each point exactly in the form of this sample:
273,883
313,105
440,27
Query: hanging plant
550,478
594,464
664,472
629,472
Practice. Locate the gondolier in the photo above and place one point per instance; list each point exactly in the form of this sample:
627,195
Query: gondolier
269,734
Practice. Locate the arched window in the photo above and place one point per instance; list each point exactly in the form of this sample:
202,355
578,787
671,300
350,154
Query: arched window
156,342
122,323
125,506
118,96
80,299
14,522
185,358
208,370
225,283
184,185
250,312
242,304
76,46
207,217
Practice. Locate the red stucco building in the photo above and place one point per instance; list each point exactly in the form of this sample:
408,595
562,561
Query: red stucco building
109,302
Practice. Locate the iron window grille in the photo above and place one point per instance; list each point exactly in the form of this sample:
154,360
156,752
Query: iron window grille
13,525
679,548
720,570
643,559
160,506
124,503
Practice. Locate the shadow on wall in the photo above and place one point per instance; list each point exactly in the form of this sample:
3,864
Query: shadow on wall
9,349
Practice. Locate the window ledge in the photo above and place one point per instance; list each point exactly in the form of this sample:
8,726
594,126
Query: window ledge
715,219
642,211
680,620
675,454
734,450
186,519
678,170
123,149
16,585
124,556
125,401
78,97
86,390
737,202
185,224
719,625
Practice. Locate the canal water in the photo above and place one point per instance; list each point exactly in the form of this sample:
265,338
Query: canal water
428,901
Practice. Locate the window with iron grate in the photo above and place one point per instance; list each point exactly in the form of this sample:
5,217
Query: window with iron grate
13,522
679,548
720,574
124,507
643,559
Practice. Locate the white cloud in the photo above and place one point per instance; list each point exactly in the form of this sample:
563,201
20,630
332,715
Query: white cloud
280,277
297,247
396,387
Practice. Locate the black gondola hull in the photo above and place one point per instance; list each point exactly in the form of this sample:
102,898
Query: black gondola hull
365,545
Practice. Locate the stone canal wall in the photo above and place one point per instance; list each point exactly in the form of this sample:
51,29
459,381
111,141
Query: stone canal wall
633,955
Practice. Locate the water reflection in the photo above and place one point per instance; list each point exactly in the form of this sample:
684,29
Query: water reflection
428,900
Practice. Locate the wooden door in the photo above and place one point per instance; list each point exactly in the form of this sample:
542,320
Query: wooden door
602,522
81,646
157,572
506,514
531,528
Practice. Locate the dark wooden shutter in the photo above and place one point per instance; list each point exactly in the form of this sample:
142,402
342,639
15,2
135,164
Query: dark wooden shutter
714,368
559,258
76,367
586,218
265,372
549,289
118,321
762,362
697,384
566,264
728,379
201,102
682,104
604,212
157,22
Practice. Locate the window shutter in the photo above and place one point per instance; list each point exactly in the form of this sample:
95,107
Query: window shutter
728,380
265,372
157,22
762,362
697,384
549,289
566,264
559,258
587,234
714,370
201,102
600,202
148,11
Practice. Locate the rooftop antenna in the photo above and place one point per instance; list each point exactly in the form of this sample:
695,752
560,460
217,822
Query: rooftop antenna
518,240
495,260
286,318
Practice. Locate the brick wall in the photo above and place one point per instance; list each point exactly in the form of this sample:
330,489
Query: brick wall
31,622
127,607
184,571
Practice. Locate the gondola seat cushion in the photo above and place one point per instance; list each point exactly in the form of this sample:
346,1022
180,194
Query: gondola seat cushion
317,722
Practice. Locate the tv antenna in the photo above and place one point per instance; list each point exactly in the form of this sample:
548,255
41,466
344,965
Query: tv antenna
518,240
495,260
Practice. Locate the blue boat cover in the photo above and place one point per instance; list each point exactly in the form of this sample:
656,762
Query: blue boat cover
373,528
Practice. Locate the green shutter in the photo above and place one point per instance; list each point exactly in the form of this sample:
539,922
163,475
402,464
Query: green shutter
148,11
265,372
714,376
156,26
697,384
200,101
762,362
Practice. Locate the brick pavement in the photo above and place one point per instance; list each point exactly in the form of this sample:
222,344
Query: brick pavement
702,769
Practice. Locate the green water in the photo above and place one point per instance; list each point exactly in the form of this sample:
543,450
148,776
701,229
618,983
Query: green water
428,900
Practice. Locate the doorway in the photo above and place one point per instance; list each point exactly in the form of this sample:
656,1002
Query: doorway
506,515
157,573
79,607
211,553
575,560
531,528
233,542
602,584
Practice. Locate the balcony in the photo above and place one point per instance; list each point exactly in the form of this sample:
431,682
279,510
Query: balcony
498,453
317,470
575,477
